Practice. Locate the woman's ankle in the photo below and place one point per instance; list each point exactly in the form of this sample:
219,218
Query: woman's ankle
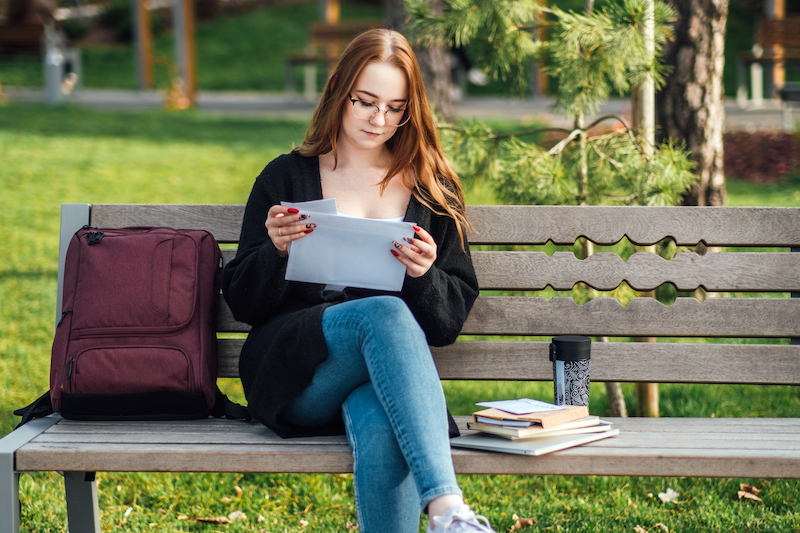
441,504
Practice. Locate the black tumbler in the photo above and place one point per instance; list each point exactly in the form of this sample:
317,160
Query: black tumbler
570,355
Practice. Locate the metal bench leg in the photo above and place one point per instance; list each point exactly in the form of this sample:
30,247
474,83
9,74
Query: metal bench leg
9,477
9,501
83,511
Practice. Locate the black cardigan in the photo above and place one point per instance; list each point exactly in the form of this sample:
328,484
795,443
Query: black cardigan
286,342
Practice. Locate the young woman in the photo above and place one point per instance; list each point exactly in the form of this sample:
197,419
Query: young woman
331,360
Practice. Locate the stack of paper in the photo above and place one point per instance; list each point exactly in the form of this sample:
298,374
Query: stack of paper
531,427
346,251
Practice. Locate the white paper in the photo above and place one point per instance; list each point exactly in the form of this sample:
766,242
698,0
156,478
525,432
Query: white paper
327,205
347,251
522,406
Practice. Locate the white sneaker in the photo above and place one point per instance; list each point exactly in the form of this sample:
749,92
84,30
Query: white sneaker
459,519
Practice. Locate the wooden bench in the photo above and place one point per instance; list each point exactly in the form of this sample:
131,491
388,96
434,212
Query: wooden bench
326,43
19,39
777,41
694,447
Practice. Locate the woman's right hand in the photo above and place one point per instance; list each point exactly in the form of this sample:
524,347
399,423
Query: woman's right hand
280,229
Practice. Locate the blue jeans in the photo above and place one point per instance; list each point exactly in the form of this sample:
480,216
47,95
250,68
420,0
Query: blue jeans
380,376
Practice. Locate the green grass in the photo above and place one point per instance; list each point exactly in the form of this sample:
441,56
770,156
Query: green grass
65,154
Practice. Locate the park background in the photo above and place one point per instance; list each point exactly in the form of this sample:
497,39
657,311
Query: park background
82,153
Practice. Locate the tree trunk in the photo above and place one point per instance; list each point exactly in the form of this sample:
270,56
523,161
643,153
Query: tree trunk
691,104
435,62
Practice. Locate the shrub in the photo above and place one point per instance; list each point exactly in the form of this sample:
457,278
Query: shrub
761,156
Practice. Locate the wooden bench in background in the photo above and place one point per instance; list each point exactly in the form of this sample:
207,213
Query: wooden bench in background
777,44
700,447
21,40
326,43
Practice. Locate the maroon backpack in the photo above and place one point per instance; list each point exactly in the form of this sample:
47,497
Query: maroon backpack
137,335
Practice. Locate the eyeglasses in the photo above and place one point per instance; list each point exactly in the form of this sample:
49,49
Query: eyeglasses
366,111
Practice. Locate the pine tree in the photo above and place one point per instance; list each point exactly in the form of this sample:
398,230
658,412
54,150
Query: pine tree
591,55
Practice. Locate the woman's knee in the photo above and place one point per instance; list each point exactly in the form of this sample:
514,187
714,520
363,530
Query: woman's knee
391,312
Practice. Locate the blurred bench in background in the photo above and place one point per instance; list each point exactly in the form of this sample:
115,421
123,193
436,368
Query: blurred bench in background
326,43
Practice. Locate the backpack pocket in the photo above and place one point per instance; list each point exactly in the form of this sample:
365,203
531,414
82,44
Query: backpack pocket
131,383
128,370
129,285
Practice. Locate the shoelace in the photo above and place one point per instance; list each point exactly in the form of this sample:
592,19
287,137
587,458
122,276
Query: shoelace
464,515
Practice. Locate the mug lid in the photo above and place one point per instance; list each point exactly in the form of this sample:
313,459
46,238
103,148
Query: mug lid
570,348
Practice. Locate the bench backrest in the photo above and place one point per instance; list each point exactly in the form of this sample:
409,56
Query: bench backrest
761,263
781,32
21,38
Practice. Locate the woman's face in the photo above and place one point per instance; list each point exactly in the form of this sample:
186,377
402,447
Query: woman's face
382,85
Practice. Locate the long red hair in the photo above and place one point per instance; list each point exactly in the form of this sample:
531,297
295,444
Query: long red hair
416,151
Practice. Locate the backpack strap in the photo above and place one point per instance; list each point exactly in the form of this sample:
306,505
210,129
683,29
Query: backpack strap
225,408
41,407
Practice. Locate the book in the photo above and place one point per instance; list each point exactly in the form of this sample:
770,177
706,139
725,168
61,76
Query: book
533,447
590,424
543,419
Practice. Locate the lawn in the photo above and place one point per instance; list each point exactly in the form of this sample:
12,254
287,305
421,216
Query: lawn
65,154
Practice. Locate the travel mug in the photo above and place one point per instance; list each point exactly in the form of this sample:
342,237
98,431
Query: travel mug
570,355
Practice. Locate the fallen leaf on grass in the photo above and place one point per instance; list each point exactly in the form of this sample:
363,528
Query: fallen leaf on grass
669,496
303,523
521,523
237,515
238,491
749,492
749,488
212,519
744,494
662,526
351,526
639,529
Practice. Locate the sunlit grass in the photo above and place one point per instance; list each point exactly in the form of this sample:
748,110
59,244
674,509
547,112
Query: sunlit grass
54,155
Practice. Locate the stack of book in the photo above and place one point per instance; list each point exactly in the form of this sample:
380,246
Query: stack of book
546,428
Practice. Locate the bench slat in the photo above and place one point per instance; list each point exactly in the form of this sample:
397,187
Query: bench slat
643,271
716,226
642,317
756,364
223,221
716,447
103,457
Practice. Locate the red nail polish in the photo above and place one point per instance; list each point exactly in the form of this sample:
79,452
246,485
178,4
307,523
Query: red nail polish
293,210
309,230
395,253
417,228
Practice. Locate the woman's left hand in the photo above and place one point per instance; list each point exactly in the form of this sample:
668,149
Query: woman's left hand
418,255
